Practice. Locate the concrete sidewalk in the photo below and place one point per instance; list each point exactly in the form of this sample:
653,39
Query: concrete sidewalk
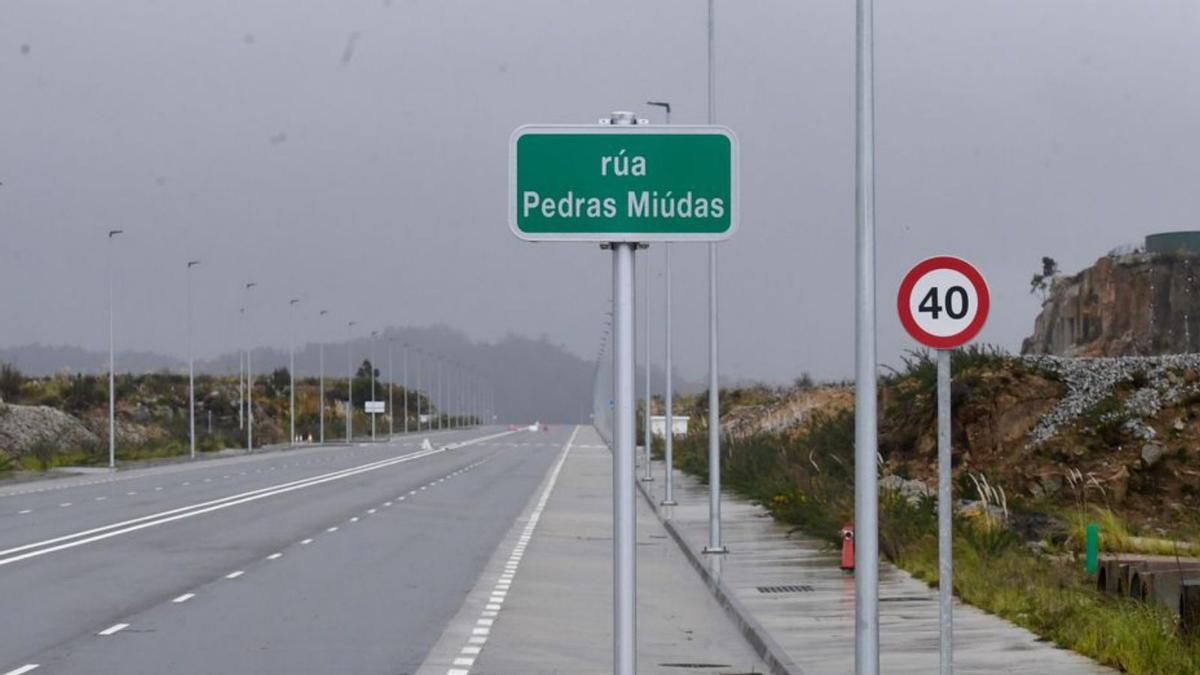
812,620
551,605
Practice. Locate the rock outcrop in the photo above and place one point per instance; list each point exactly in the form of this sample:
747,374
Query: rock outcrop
1136,304
24,428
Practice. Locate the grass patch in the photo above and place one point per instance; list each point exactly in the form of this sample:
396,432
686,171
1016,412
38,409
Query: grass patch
805,478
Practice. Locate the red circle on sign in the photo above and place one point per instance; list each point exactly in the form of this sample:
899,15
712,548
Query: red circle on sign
910,281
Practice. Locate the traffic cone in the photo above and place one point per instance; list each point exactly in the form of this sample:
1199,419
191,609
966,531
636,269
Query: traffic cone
848,547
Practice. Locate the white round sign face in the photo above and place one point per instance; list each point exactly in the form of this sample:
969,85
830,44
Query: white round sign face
943,302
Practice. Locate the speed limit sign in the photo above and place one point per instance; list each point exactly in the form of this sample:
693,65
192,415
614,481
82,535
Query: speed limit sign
943,302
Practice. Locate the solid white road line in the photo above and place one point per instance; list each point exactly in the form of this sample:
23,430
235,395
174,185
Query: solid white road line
113,630
23,669
491,611
180,513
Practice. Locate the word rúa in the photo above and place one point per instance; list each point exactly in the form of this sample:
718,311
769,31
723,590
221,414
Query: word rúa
620,165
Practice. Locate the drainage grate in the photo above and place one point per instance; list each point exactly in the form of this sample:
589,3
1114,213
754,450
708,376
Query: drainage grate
785,589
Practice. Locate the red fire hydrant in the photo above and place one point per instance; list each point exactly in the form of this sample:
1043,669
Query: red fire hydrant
847,547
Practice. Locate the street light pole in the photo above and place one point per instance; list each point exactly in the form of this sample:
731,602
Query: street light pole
866,481
112,360
436,386
668,390
292,369
371,375
419,366
191,364
404,351
666,106
714,387
242,370
321,385
350,376
249,381
391,379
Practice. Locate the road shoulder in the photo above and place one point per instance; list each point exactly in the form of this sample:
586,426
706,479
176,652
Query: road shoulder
556,614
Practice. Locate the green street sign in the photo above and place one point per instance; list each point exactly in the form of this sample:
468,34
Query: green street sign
623,183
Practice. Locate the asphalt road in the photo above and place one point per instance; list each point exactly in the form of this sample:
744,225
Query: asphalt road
319,560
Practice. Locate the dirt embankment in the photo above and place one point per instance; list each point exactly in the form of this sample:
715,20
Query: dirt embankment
1122,433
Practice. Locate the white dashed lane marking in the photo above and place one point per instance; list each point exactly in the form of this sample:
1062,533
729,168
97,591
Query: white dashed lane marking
184,598
113,630
23,669
234,575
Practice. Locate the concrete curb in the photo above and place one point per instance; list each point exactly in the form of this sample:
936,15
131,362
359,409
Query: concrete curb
758,637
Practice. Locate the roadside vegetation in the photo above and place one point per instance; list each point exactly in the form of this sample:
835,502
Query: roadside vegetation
1017,543
152,415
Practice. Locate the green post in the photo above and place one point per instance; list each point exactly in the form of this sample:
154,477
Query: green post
1093,546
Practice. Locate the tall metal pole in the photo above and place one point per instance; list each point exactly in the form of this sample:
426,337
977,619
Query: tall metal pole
350,378
391,379
669,404
242,371
669,389
866,485
646,475
405,359
249,382
439,370
191,364
420,363
112,360
371,375
714,387
945,511
321,385
292,370
648,436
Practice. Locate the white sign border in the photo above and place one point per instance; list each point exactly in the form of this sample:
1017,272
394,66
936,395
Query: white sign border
627,237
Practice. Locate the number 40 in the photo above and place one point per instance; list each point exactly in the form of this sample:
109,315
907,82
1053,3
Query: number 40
957,303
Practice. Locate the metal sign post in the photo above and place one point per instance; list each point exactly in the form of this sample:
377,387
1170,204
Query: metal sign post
624,534
622,184
943,303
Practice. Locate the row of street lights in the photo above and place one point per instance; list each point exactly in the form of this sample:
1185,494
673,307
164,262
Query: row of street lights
453,384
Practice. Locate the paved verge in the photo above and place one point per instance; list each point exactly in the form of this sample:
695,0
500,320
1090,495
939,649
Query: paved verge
787,592
544,604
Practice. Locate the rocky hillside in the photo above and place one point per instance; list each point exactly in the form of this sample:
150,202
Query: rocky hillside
1135,304
1052,432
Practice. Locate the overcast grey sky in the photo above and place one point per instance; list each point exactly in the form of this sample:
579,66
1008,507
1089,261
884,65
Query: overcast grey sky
354,154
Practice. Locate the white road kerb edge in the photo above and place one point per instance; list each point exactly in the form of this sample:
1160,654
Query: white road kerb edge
44,547
491,611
